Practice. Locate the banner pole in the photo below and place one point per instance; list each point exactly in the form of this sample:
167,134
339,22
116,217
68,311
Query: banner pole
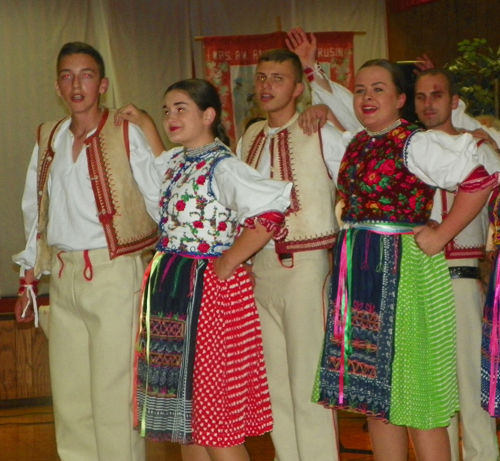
278,23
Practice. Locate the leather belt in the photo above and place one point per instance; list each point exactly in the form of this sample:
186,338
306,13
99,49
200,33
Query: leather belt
465,272
284,256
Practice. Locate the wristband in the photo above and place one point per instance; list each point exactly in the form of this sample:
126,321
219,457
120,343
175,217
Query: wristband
23,286
309,71
312,71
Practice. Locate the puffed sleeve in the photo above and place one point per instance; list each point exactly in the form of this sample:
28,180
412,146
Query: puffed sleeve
26,258
241,188
488,157
334,145
340,101
442,160
142,162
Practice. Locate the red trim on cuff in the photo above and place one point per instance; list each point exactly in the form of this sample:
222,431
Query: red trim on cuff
309,71
23,285
478,179
273,222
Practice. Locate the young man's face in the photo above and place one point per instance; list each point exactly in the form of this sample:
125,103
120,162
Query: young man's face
276,88
434,103
79,82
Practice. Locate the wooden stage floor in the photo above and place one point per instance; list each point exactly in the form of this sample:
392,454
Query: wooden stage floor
27,434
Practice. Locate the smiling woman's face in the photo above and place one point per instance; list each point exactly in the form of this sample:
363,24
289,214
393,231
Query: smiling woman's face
377,102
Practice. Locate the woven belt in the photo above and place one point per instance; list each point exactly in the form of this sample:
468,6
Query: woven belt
382,227
465,272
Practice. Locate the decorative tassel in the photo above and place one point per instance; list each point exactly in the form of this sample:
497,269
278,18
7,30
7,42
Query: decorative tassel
32,290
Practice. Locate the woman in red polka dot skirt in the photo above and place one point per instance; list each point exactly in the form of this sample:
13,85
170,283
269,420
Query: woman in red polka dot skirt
201,379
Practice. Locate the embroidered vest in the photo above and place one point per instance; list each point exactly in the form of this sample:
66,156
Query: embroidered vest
376,185
114,188
295,157
192,222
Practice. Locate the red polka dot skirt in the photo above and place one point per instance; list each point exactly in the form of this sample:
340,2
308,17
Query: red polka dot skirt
230,392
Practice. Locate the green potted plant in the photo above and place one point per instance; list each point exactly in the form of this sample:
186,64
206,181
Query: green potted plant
477,71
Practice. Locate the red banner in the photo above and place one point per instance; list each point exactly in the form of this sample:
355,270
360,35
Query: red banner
230,63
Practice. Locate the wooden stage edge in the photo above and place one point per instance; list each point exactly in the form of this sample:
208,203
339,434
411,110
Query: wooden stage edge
25,403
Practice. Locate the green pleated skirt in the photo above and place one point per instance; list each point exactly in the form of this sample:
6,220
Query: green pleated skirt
402,367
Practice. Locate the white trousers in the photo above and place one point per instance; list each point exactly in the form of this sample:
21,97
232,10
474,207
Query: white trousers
292,309
479,437
93,325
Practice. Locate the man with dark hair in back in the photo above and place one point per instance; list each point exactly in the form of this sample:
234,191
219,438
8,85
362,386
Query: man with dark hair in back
436,95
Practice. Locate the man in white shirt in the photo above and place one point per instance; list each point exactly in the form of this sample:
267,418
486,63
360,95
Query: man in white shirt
291,275
89,210
436,95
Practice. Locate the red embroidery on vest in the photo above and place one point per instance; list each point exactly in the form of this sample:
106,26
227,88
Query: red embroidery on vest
285,166
45,162
256,149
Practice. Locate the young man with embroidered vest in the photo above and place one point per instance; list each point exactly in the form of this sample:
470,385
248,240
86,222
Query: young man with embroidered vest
290,276
89,209
436,95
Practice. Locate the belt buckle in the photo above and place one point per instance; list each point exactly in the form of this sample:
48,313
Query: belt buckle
464,272
285,256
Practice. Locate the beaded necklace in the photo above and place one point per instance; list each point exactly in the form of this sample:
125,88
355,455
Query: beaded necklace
385,130
195,152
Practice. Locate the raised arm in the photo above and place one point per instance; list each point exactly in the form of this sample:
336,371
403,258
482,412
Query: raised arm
423,63
306,48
